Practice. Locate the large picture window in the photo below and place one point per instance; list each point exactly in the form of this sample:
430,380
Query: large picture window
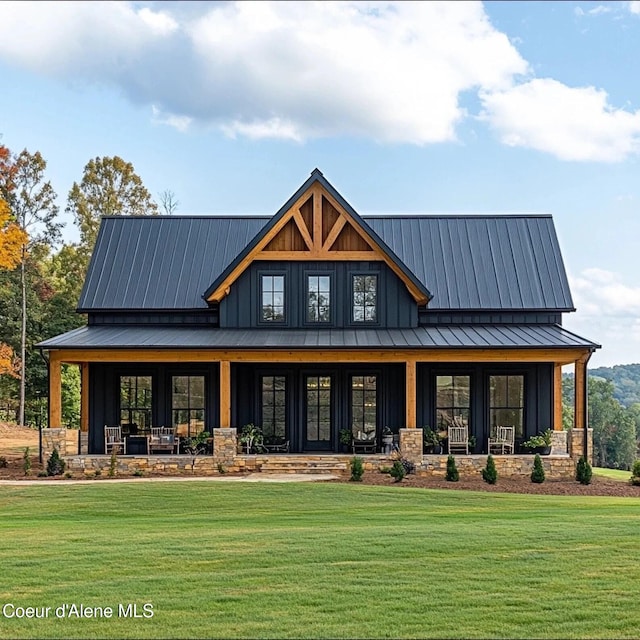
453,401
318,298
364,403
272,306
318,408
135,402
188,405
274,408
506,402
365,298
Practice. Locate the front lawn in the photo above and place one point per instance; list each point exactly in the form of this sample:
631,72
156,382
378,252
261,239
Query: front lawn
317,560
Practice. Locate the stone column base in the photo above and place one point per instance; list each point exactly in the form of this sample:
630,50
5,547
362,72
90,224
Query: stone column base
576,442
411,445
558,443
64,440
225,446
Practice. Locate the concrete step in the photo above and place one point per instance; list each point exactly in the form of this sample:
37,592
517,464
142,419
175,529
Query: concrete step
284,466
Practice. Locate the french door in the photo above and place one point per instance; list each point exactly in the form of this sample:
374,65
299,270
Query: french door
318,412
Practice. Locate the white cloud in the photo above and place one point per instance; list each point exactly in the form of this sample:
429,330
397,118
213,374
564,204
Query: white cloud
570,123
181,123
391,71
608,312
599,10
634,6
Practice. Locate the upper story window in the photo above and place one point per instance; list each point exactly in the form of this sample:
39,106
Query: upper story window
318,298
273,307
365,298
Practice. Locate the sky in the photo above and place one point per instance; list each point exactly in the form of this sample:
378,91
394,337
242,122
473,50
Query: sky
406,107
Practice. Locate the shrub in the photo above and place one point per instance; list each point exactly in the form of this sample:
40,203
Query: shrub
138,473
635,473
398,471
3,462
42,474
452,470
490,473
68,475
409,467
97,473
357,469
385,469
537,475
583,471
55,464
221,468
26,462
113,465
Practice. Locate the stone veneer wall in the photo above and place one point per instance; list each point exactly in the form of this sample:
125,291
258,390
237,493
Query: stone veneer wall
559,443
576,441
225,446
64,440
411,445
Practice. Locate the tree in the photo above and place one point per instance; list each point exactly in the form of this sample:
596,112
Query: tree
9,364
12,239
168,202
32,204
109,187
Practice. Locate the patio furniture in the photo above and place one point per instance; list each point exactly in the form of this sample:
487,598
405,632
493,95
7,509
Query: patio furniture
276,446
114,443
458,439
503,440
163,439
364,442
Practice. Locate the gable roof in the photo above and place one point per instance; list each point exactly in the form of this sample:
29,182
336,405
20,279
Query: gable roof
470,262
330,218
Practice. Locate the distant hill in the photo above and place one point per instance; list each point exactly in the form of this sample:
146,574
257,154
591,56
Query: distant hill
626,381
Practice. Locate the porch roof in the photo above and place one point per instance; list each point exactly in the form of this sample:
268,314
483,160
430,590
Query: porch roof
528,336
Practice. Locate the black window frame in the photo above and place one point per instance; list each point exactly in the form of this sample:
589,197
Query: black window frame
523,408
285,302
189,374
150,411
332,295
351,320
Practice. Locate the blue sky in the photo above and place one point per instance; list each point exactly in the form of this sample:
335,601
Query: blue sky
431,107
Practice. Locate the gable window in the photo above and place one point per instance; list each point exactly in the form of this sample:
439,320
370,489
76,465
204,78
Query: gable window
365,298
272,305
135,402
318,298
506,402
187,405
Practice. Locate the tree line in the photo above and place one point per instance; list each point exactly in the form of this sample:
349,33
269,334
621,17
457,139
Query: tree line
41,276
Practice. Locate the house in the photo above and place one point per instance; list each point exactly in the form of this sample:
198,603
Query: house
319,319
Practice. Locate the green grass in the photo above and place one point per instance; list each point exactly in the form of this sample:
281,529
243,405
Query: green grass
319,560
613,474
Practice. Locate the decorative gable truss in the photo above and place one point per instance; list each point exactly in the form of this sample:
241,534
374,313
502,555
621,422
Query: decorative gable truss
316,227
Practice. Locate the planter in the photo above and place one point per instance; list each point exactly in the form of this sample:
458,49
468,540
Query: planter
543,451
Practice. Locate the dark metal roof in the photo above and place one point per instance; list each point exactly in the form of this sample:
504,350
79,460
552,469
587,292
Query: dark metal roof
466,262
481,261
432,337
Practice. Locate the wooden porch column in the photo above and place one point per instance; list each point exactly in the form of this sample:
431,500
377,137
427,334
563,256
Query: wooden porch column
580,378
84,397
55,393
225,394
411,394
557,397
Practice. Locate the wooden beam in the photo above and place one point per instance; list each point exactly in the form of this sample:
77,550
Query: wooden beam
334,233
302,228
580,373
322,254
321,354
55,393
84,397
225,394
557,397
317,218
410,386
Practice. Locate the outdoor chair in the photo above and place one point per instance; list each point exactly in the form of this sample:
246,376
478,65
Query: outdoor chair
276,446
503,440
163,439
458,439
364,442
113,441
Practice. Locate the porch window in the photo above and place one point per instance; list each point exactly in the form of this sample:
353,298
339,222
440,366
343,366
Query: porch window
318,408
318,298
365,298
506,402
273,307
274,407
135,401
453,400
364,400
187,405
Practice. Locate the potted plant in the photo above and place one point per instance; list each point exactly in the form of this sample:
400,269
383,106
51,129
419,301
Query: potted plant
472,443
251,437
432,441
345,436
540,443
387,440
